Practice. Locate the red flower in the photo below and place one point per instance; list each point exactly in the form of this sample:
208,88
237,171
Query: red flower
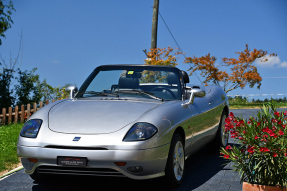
285,113
244,132
226,156
228,147
227,120
277,113
264,149
250,149
231,114
266,130
272,134
283,126
256,137
281,132
258,124
228,126
274,154
265,136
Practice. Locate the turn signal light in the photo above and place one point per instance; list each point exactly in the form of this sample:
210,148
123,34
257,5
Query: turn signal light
120,163
33,160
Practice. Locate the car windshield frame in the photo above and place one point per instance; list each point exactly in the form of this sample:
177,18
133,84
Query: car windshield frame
140,68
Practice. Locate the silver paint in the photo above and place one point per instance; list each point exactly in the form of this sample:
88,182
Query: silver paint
102,122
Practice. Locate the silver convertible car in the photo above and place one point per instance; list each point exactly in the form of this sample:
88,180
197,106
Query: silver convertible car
135,121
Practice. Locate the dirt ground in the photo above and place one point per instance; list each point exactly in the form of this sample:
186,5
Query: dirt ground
13,167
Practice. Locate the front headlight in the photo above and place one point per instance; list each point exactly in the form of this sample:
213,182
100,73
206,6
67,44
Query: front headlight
140,132
31,128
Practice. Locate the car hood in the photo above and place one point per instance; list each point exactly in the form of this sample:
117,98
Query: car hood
95,116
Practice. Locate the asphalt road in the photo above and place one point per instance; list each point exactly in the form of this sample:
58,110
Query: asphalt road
204,171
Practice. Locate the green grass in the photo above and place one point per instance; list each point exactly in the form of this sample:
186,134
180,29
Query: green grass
8,145
252,105
243,102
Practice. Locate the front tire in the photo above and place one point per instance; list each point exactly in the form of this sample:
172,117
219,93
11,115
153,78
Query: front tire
37,177
174,171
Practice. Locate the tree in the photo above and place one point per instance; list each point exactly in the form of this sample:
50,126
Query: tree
243,71
6,75
6,98
5,17
26,90
30,89
162,56
159,56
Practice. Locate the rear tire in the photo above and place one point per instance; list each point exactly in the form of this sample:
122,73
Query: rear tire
174,171
221,139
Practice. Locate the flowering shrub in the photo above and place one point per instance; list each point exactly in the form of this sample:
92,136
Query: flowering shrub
261,156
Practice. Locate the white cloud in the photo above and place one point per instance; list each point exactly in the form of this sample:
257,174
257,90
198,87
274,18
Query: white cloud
284,64
272,61
55,61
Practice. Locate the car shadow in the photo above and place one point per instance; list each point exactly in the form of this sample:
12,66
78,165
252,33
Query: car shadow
200,167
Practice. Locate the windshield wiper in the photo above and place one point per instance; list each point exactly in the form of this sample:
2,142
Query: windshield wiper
139,91
101,93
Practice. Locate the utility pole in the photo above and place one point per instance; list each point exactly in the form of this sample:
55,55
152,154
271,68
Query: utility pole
154,25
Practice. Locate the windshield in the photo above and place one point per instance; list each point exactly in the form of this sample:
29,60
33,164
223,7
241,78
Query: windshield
150,82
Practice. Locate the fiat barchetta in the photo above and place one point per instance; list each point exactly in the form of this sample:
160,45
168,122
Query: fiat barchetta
135,121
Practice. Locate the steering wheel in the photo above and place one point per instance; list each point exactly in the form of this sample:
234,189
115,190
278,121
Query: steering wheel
164,88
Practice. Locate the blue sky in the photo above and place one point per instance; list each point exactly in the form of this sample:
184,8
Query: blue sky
67,39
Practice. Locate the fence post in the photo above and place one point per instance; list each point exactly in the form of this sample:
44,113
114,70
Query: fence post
3,116
16,114
28,110
41,104
34,107
22,113
10,115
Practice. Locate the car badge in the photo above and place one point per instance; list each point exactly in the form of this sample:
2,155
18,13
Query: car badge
76,138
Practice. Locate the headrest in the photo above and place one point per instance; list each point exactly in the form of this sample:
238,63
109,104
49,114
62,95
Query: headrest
185,77
171,79
128,83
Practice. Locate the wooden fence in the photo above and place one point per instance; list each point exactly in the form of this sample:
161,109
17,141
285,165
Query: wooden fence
20,114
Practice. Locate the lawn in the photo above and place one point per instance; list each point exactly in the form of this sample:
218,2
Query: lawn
253,105
244,103
8,146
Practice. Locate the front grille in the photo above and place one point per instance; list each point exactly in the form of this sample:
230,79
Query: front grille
78,171
74,148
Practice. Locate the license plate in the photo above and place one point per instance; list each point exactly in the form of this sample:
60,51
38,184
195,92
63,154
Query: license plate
72,161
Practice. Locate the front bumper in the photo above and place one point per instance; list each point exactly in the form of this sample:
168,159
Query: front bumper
100,162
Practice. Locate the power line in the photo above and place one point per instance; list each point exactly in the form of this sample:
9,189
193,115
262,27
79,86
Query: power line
177,43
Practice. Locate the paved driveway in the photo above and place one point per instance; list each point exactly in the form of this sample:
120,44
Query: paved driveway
204,171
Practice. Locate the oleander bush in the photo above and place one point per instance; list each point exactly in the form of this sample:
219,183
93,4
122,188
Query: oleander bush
261,157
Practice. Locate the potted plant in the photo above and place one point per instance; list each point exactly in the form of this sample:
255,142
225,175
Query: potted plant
261,153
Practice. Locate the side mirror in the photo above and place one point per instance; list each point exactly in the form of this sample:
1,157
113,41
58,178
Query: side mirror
73,90
193,93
